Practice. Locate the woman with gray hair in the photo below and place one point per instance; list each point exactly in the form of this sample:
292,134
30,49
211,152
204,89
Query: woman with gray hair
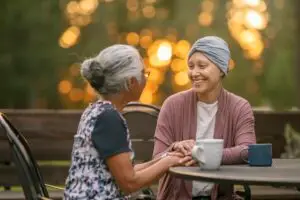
205,111
102,155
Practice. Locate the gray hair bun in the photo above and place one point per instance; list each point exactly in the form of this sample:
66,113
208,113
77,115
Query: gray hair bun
93,72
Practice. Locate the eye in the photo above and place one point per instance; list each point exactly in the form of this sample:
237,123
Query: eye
202,66
190,66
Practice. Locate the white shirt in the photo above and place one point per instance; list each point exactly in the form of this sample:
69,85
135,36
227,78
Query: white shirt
206,118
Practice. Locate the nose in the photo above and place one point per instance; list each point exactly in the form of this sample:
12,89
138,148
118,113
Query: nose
195,72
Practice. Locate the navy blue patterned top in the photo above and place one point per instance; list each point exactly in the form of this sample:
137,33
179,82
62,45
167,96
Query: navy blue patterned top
102,132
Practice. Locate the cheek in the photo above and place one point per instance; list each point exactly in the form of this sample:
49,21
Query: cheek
189,74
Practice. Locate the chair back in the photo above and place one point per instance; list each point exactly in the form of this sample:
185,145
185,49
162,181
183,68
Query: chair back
141,119
28,171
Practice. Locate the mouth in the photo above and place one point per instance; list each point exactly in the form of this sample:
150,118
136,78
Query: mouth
198,82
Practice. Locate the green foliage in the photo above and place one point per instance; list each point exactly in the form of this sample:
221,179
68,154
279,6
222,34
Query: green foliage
32,63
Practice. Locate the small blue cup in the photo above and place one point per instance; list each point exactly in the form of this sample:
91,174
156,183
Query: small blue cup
259,154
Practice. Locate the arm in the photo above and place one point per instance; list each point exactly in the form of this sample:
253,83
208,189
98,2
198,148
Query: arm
141,166
164,139
110,139
244,135
130,180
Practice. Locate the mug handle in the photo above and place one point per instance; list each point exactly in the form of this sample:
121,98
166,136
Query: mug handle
246,148
197,154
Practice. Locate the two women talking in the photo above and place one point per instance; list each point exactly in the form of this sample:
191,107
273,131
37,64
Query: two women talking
102,165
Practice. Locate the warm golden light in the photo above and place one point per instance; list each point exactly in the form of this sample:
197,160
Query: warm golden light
145,41
76,94
205,19
81,20
72,7
146,32
262,6
252,2
88,6
237,17
150,1
156,76
132,38
151,86
89,90
178,65
149,11
207,6
160,53
231,64
256,50
171,37
146,97
254,19
164,52
64,86
245,20
156,62
132,5
181,78
248,37
69,37
182,48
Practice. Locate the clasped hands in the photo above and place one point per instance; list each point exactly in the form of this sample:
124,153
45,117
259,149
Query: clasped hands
183,149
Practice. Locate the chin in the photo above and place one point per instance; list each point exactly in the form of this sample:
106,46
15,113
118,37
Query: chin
200,90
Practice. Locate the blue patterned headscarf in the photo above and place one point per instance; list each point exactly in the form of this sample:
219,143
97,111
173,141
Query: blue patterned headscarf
215,49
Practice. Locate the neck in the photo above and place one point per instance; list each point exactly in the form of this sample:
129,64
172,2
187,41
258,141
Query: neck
117,100
211,96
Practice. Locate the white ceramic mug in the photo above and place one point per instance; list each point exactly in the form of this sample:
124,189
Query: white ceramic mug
208,153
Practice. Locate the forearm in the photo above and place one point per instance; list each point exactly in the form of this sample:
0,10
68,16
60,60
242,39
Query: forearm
139,167
232,155
148,175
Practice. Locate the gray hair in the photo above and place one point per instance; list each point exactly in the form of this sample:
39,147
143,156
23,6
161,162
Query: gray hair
109,71
215,49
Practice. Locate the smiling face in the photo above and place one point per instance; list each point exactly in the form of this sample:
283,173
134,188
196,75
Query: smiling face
204,74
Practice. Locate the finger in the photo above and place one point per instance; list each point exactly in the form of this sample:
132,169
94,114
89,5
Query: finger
184,160
190,163
183,150
192,143
188,149
174,153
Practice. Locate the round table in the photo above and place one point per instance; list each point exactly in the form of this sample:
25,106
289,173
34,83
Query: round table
283,172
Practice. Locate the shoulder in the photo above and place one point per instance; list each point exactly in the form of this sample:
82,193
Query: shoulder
178,98
102,111
237,102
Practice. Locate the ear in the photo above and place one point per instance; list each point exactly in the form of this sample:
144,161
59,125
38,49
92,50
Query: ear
131,82
222,74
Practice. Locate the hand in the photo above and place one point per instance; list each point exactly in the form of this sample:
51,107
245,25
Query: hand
184,147
188,162
178,159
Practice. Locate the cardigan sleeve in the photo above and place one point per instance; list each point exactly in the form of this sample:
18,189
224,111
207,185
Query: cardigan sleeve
244,135
164,136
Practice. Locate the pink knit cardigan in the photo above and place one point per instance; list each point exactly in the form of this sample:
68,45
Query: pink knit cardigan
177,122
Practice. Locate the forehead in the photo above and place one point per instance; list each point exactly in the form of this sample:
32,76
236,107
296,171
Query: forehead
198,57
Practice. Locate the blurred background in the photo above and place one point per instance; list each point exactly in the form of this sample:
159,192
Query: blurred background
44,42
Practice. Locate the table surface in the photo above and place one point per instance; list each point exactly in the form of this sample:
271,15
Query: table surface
283,172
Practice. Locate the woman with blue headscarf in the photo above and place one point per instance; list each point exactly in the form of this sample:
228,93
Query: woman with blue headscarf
205,111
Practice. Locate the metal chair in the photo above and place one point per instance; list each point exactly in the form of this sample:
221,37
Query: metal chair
28,171
139,116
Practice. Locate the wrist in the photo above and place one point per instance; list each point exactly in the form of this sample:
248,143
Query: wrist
168,160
